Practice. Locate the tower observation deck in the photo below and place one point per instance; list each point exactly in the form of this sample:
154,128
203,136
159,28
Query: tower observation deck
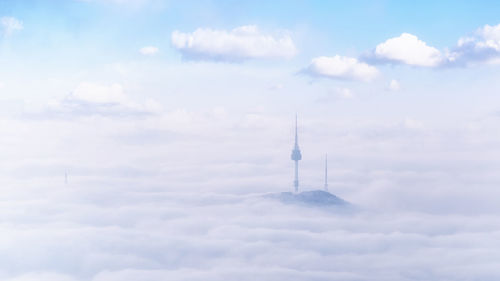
296,156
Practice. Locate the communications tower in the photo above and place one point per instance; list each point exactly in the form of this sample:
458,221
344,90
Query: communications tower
296,156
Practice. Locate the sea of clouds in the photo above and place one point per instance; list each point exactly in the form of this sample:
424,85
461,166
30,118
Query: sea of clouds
177,195
80,233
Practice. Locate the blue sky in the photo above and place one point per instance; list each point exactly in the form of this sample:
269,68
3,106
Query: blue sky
102,27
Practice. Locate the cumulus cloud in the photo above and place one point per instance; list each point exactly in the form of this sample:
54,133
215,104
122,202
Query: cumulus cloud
149,50
10,25
238,44
341,68
483,46
406,49
97,99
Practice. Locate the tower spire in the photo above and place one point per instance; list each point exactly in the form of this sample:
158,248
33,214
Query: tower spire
296,156
296,135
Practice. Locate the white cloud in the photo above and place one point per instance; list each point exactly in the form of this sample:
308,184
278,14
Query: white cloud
124,214
97,99
343,68
394,85
149,50
490,37
241,43
127,234
483,46
10,25
407,49
148,199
